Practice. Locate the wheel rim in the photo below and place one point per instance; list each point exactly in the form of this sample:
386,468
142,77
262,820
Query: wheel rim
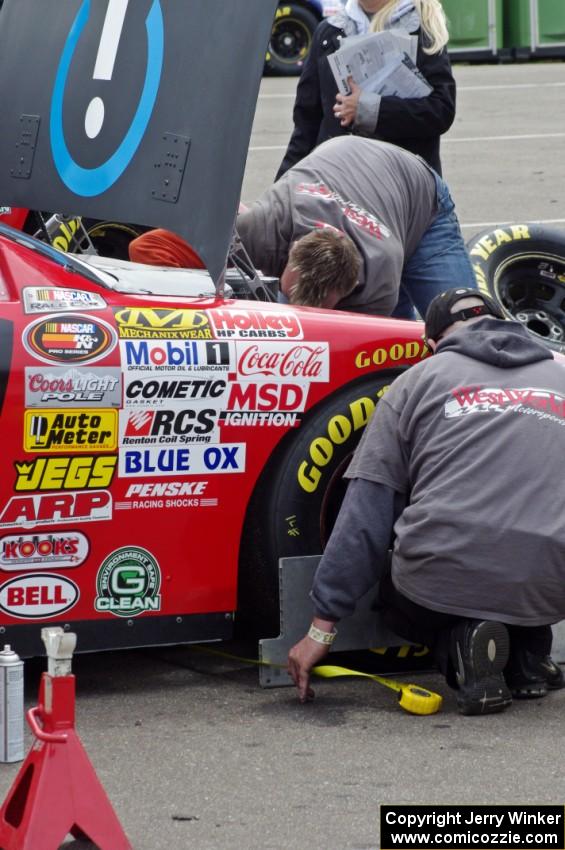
532,290
290,41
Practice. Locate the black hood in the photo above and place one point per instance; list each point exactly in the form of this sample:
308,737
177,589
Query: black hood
132,110
501,343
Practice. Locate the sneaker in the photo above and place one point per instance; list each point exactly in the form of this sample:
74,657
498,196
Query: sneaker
529,676
479,652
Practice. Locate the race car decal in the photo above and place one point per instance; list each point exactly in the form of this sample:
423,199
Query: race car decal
247,395
65,473
69,338
61,430
282,362
128,583
51,387
43,550
196,460
45,300
194,356
46,509
167,389
159,323
38,596
169,494
247,324
168,426
381,356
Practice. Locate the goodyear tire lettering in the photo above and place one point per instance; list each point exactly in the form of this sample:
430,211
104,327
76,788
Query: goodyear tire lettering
414,350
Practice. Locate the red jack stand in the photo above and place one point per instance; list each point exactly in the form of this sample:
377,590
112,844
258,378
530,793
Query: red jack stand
56,791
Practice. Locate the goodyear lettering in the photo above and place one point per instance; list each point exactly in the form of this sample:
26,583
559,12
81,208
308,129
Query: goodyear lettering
488,244
65,473
414,350
339,429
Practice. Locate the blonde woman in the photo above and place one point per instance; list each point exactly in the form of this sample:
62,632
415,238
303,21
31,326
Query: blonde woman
415,124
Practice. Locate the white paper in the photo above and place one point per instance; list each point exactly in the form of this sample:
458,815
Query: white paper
364,57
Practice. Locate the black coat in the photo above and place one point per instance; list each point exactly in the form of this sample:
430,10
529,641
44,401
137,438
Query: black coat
414,123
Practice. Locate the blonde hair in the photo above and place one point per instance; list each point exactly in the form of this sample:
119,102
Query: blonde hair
432,16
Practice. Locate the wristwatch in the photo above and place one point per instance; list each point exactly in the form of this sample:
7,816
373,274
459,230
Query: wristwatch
326,638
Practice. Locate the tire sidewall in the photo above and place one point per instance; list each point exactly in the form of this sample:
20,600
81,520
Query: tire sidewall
286,11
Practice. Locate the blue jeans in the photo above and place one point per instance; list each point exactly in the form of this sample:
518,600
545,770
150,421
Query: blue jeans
439,262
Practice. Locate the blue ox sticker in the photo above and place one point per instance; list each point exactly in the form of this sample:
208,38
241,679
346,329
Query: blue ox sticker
193,460
88,182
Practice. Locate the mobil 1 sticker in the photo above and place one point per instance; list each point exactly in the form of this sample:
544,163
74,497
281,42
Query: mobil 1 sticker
173,388
168,426
223,458
56,386
178,355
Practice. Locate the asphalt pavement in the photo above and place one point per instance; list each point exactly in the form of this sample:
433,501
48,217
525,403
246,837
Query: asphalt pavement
192,753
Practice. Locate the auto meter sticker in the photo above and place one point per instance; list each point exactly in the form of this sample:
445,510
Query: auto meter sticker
193,460
128,583
43,551
47,509
159,323
39,299
249,324
178,356
278,361
38,596
69,338
83,387
172,389
168,426
168,494
83,472
70,430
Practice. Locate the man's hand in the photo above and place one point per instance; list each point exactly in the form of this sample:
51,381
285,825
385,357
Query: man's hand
306,654
345,106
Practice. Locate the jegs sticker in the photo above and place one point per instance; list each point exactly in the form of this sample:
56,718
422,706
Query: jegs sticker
56,385
69,338
38,299
60,430
38,596
83,472
43,551
128,583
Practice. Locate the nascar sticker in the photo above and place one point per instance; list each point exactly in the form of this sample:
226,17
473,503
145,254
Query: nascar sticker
39,299
38,596
82,387
191,460
128,583
69,338
160,323
178,356
43,551
75,430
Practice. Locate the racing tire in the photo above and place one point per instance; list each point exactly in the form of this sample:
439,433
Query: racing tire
112,238
291,39
298,496
523,267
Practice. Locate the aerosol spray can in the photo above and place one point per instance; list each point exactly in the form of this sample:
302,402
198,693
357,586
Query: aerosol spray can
11,706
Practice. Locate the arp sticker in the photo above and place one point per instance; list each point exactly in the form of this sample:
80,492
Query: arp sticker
128,583
44,550
60,430
50,508
38,299
69,338
160,323
37,596
83,387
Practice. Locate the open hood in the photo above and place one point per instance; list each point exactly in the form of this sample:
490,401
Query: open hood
132,110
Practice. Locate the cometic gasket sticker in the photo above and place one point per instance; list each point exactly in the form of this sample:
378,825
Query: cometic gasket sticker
69,338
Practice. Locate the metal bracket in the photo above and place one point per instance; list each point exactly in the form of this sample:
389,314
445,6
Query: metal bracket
261,289
25,147
362,630
169,168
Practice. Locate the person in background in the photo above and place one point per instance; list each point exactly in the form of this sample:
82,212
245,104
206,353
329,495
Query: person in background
450,462
415,124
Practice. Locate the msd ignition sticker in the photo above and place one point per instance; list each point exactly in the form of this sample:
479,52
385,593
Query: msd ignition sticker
43,300
37,596
178,356
70,430
193,460
43,551
69,338
161,427
251,324
160,323
128,583
55,385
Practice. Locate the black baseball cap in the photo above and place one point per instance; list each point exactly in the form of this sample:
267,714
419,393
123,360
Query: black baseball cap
439,316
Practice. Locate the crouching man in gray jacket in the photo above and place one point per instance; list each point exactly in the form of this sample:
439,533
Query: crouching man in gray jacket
463,460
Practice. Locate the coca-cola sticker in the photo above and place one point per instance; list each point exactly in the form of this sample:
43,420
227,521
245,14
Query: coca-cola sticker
283,361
